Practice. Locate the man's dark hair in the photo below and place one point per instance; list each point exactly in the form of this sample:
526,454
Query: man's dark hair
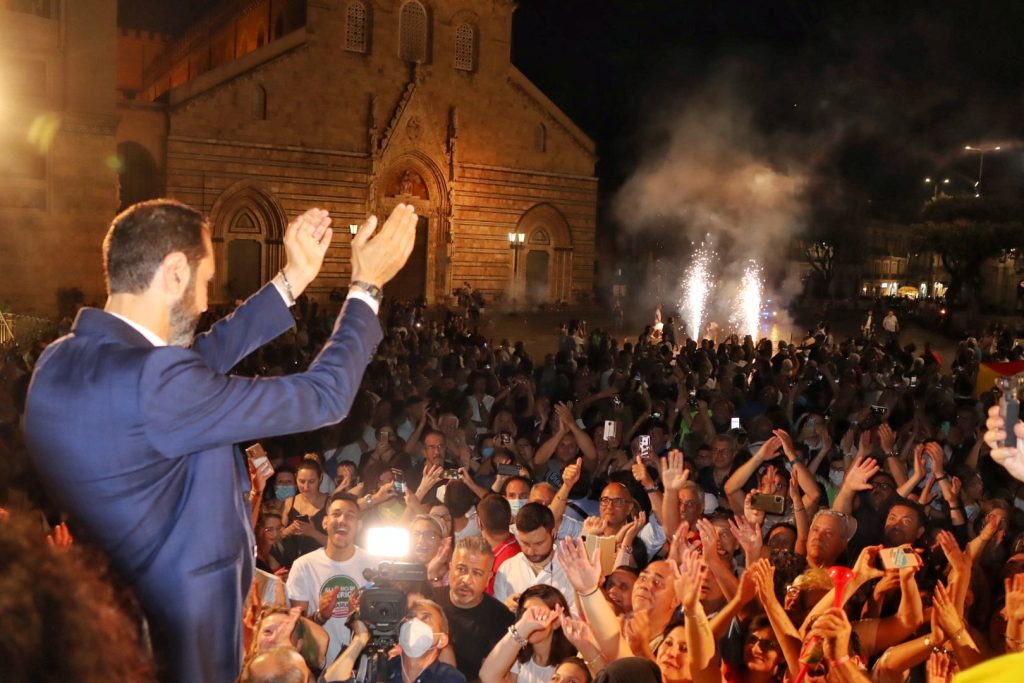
345,496
533,516
141,236
922,518
458,497
504,488
495,513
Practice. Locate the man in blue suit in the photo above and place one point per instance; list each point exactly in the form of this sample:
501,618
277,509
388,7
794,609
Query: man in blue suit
131,428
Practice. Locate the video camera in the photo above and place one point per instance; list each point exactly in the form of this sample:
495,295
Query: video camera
383,606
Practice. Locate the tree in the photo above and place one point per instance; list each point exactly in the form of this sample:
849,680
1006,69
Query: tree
965,232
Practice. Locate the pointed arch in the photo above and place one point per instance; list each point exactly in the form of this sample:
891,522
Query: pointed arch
248,231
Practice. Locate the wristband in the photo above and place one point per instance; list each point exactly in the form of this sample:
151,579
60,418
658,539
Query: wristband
942,478
836,663
590,592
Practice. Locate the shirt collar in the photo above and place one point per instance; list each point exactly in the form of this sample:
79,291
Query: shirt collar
151,336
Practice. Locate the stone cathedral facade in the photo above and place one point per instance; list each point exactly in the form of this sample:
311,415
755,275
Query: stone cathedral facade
267,107
263,108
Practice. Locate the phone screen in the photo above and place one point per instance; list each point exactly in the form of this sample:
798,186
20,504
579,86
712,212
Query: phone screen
734,423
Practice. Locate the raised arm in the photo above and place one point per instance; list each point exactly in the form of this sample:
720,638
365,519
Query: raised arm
584,573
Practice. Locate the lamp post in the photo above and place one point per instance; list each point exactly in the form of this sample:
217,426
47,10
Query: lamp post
515,242
981,163
935,185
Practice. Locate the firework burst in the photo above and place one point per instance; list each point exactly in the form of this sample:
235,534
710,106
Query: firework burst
696,288
746,315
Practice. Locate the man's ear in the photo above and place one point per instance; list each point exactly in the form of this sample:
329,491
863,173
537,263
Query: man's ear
174,274
442,641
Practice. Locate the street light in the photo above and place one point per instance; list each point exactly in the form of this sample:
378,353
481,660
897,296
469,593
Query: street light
981,163
935,183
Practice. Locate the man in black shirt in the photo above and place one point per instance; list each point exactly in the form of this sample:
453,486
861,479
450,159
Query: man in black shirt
476,621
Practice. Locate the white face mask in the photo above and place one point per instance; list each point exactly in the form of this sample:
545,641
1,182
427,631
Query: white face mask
516,506
836,477
415,638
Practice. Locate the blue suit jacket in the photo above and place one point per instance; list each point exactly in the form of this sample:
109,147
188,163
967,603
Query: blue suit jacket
136,443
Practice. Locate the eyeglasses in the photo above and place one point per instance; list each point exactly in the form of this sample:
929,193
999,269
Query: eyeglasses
763,643
614,502
792,590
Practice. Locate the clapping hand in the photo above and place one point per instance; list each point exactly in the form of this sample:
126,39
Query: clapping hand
584,573
941,668
379,253
328,601
689,577
749,537
628,532
306,240
594,526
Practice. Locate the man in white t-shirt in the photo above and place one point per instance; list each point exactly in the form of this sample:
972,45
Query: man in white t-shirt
322,582
535,527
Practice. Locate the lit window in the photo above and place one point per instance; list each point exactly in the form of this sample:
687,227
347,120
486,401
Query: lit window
465,46
355,27
412,28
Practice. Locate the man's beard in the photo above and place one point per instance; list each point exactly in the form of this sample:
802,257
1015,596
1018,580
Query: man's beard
184,316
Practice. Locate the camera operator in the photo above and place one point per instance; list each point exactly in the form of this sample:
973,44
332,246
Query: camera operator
421,638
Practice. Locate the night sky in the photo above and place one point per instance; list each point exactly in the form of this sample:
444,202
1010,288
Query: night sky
875,97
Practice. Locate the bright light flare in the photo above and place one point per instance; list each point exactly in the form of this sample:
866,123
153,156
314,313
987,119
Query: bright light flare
387,541
746,315
696,288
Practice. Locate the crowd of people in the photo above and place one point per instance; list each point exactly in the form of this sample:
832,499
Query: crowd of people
619,509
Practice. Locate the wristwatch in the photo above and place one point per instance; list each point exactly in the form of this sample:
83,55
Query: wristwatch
372,290
368,500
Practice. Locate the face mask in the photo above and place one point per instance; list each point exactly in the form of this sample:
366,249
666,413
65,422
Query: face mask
517,505
836,477
284,492
487,451
415,638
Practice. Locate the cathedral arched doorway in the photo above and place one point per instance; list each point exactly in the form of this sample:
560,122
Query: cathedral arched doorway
248,230
547,275
414,180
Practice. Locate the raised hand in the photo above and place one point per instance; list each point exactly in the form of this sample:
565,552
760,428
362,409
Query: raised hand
749,537
1014,598
378,254
537,619
640,473
584,573
61,538
680,542
762,573
769,448
834,628
306,240
688,578
941,668
437,565
864,568
919,460
628,532
708,537
886,438
787,443
571,473
938,457
579,633
674,475
945,611
860,473
959,561
1012,458
594,526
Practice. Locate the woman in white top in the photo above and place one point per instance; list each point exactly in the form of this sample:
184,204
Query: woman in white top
535,645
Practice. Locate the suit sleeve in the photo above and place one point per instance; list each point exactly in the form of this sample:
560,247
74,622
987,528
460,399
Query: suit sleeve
188,407
259,319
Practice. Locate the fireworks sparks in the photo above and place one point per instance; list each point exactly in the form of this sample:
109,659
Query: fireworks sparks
746,316
696,288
